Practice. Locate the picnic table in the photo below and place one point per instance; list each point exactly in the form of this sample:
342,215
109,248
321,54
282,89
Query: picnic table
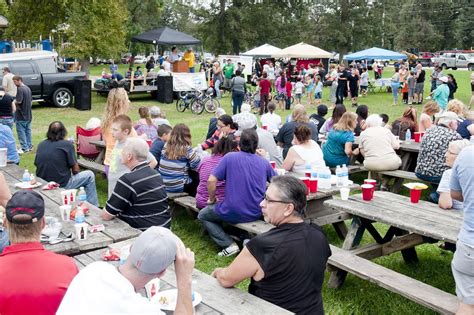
410,224
100,145
115,230
215,298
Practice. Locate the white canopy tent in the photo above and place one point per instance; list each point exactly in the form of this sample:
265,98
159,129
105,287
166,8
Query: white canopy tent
264,51
302,50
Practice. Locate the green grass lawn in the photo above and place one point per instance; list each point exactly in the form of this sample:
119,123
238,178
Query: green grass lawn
356,296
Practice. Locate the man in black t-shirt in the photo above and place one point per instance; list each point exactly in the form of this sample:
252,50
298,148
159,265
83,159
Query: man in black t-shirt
341,91
420,84
23,114
55,160
6,110
286,264
318,119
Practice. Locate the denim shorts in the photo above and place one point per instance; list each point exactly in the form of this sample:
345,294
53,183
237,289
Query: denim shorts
462,267
318,95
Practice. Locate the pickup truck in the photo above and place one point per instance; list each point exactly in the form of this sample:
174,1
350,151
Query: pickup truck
41,74
455,60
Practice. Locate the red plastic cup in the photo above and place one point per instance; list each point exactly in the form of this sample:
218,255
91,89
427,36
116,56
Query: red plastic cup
273,164
313,185
305,181
367,192
308,174
149,142
372,182
415,195
265,127
418,136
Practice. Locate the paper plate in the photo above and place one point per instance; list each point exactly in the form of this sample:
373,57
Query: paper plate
167,299
419,186
27,185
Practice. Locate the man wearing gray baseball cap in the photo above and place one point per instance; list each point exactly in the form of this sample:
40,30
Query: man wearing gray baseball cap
102,288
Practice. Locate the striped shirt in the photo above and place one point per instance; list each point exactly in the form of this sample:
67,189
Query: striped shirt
140,199
175,172
205,170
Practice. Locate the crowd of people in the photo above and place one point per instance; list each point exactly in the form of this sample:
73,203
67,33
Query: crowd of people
231,176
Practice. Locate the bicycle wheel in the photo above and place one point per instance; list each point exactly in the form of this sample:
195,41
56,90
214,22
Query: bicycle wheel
211,105
197,107
181,105
292,100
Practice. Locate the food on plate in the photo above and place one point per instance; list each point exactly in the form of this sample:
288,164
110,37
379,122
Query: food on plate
73,211
163,300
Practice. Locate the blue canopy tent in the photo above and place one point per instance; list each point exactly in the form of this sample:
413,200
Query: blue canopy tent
375,53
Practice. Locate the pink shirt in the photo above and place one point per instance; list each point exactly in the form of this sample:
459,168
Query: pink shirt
278,87
425,119
205,170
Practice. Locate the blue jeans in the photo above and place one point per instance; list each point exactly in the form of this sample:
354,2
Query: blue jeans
23,129
213,224
84,179
237,99
7,122
216,87
395,86
4,241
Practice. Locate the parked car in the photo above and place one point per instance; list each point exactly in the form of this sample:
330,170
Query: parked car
40,73
455,60
140,59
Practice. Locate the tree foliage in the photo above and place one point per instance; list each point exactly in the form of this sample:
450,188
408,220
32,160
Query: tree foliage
97,28
30,19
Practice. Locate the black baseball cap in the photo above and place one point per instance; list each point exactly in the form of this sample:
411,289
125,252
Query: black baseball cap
25,202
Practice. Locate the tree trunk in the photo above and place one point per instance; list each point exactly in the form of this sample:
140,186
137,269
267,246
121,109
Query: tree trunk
221,25
85,65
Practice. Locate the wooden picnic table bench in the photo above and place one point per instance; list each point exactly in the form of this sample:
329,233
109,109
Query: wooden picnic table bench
316,212
410,224
115,230
215,298
91,165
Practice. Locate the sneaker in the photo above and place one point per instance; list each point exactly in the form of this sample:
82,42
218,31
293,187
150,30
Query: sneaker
229,251
20,151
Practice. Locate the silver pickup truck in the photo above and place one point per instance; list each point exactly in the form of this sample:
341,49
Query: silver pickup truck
455,61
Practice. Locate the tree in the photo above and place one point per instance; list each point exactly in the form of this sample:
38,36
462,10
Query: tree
97,29
29,19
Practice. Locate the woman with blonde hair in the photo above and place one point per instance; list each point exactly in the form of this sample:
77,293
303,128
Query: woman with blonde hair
299,117
377,144
117,104
177,159
466,126
338,148
426,118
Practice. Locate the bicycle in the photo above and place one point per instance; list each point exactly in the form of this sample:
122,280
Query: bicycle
211,103
191,100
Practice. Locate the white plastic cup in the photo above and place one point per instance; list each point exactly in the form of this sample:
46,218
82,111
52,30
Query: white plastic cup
72,195
152,288
65,212
3,157
81,231
65,197
344,193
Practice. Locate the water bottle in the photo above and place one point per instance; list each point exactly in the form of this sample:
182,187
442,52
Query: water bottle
79,218
339,177
345,175
324,178
82,196
26,177
408,135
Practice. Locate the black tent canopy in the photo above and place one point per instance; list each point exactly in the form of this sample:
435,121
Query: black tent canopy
165,36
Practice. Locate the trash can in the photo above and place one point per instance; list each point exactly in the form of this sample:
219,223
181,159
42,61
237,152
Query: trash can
165,89
82,94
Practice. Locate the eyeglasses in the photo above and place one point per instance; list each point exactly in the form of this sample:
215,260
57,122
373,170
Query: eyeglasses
272,200
452,153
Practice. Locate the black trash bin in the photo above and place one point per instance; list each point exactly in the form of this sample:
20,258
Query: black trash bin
165,89
82,94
